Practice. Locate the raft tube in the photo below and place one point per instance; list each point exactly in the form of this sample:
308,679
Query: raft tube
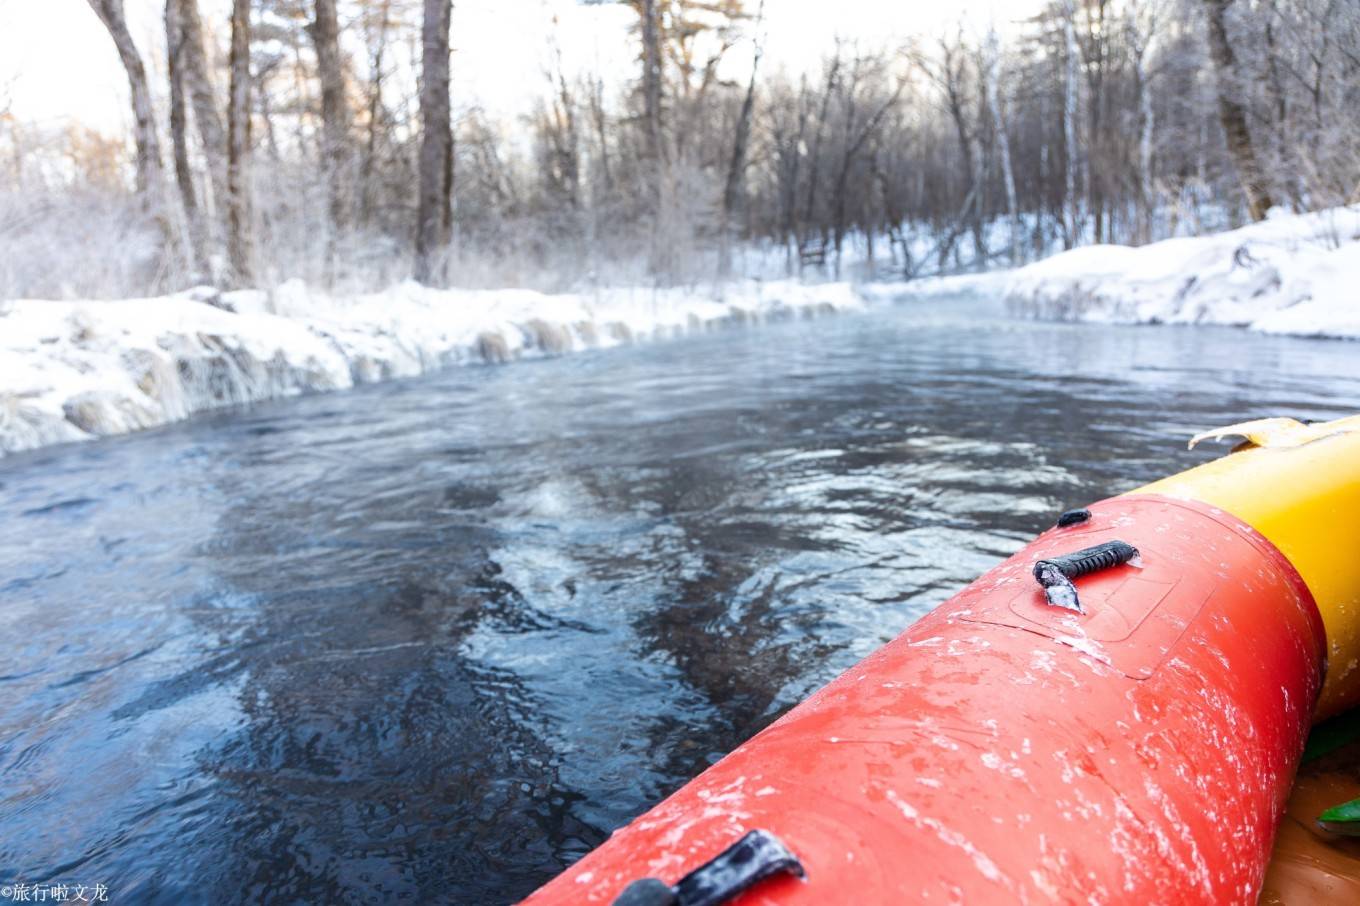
1008,749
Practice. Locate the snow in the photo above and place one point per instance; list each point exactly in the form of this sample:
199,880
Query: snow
1290,274
73,370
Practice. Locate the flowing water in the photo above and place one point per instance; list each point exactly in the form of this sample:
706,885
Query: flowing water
434,639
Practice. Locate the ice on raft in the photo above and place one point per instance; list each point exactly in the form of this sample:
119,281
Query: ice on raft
1290,274
81,369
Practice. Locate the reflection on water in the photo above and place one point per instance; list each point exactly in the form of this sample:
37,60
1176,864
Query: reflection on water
437,638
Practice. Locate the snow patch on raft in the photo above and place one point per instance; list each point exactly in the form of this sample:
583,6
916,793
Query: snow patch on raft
1290,274
76,370
950,837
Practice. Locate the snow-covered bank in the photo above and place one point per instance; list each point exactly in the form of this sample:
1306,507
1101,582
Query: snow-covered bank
75,370
1293,274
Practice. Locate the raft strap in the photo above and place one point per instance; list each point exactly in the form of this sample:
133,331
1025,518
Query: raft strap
752,859
1055,574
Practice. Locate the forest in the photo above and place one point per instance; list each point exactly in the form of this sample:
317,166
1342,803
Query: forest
674,452
323,139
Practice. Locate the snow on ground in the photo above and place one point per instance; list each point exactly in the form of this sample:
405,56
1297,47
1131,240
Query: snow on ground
1294,274
75,370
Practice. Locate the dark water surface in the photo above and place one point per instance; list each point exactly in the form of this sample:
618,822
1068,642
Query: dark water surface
436,638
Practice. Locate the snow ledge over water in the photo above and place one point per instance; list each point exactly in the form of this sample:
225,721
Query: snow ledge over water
1290,274
76,370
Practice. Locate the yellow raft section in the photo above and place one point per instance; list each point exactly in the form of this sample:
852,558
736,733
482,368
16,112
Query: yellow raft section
1299,486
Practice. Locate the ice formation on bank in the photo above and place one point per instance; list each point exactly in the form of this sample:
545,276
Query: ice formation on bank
1294,274
74,370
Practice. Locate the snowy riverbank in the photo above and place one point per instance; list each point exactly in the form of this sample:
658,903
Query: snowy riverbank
1291,274
76,370
82,369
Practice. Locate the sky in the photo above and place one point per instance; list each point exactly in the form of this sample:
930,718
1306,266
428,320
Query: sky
57,63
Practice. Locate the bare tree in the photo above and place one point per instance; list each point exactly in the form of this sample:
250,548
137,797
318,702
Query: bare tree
1142,19
557,125
196,76
992,69
949,73
856,134
657,157
1098,120
335,121
149,172
736,168
807,254
434,217
179,140
599,117
240,242
652,79
1072,221
1232,114
378,27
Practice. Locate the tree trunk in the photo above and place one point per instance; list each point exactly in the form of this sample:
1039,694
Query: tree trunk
1141,36
736,167
1146,191
1233,115
239,238
1094,178
790,171
375,112
838,206
562,134
815,157
651,78
661,254
202,97
1286,157
434,215
993,52
149,177
1071,202
951,80
598,116
184,178
335,123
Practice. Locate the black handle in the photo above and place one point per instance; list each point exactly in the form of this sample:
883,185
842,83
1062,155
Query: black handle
1090,559
752,859
1055,574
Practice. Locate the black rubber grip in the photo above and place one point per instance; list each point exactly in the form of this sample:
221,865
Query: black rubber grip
752,859
1088,560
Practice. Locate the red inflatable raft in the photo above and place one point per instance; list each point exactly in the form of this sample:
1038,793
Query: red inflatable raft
1008,749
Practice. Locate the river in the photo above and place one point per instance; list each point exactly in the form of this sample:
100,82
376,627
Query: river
433,639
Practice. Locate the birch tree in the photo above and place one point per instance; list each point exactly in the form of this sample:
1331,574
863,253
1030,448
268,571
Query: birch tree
992,66
1142,19
1072,222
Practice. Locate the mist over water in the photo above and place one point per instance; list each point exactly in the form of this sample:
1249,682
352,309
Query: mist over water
436,638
